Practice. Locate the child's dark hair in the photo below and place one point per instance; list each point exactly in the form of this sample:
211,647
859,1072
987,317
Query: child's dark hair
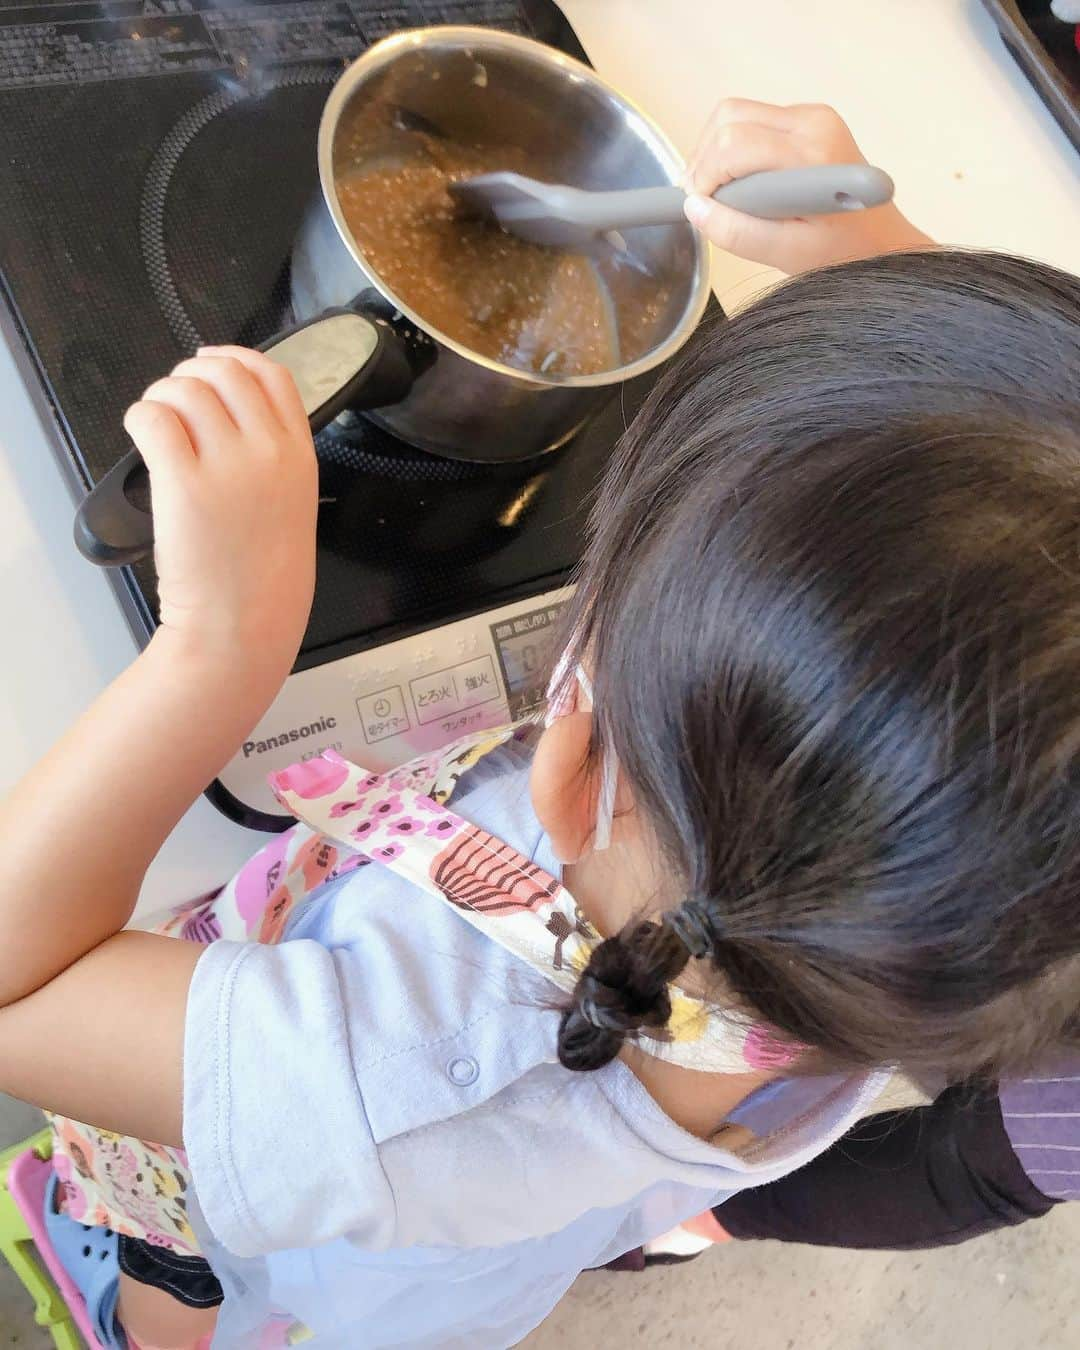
831,607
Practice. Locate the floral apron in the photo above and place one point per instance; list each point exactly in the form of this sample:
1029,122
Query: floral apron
348,819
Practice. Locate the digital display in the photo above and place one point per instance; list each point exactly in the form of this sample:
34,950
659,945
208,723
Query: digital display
524,659
526,648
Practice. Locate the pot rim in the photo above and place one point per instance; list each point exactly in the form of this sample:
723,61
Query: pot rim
386,51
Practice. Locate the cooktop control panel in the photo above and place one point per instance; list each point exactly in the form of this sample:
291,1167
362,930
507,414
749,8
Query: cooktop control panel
384,706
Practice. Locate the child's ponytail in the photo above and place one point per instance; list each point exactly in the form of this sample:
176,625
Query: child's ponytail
624,986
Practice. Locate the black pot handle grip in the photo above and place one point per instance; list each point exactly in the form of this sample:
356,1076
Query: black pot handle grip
110,529
340,359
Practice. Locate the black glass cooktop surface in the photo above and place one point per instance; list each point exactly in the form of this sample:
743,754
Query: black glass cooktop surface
156,157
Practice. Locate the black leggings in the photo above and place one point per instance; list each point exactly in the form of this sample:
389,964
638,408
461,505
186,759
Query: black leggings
928,1177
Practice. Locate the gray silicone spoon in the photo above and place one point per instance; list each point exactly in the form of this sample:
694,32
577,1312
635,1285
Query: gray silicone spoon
567,217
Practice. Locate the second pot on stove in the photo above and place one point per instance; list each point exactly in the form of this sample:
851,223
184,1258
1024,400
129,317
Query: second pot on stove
358,345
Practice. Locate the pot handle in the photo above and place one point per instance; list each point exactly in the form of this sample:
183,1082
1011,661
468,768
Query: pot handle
340,359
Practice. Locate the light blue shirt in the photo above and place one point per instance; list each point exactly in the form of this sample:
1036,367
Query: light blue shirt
384,1145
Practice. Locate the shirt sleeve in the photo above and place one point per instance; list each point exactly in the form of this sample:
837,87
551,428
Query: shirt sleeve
1042,1120
275,1126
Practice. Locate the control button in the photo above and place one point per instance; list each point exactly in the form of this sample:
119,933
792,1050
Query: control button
476,682
434,696
383,714
463,1071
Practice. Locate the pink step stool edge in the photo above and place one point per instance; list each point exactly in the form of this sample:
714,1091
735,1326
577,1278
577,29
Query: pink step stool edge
28,1179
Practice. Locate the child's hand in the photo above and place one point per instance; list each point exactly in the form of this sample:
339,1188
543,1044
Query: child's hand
745,137
234,485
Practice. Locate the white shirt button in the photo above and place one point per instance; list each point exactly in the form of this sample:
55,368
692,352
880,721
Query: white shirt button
463,1071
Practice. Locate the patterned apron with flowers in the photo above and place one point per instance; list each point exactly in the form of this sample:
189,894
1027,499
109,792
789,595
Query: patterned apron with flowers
348,819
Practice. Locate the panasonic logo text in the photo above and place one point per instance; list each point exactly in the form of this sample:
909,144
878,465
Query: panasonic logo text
289,737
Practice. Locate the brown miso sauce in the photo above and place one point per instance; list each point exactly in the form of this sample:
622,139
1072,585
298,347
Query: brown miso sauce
518,303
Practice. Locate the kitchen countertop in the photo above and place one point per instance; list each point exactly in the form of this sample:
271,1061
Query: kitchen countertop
931,95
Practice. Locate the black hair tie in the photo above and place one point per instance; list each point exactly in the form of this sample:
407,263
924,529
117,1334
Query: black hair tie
692,925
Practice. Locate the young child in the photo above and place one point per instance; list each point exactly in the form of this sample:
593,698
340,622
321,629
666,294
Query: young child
803,822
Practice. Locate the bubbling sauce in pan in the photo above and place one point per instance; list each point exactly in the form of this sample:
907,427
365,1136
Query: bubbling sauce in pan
522,304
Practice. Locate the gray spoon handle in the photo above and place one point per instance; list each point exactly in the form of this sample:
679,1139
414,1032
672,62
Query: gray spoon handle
776,194
817,190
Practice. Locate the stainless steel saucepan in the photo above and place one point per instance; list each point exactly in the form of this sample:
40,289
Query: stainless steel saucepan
358,346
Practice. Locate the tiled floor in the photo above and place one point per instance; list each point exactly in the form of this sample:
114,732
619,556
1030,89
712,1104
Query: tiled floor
1016,1291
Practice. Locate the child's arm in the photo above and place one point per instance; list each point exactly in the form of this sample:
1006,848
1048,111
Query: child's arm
745,137
91,1021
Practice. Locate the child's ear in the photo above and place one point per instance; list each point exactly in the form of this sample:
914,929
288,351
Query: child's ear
562,788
